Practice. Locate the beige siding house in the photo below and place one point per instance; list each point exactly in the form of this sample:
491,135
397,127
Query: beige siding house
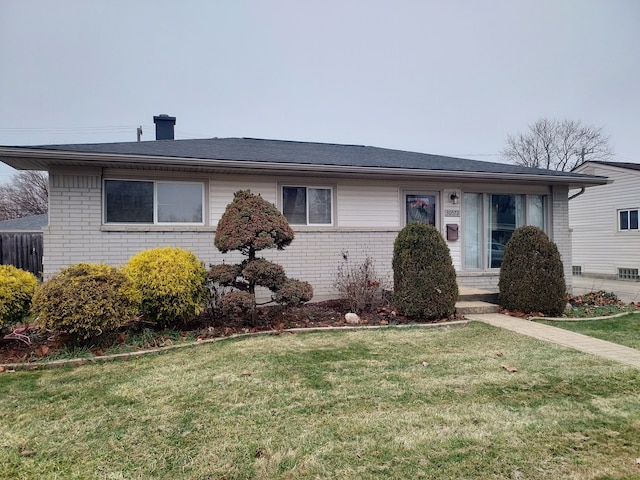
604,223
110,201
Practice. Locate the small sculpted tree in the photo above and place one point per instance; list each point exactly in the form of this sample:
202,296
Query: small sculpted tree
248,225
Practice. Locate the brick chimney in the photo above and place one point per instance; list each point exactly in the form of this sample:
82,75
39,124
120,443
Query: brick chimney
164,126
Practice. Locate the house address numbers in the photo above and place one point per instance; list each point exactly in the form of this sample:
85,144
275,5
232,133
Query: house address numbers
452,213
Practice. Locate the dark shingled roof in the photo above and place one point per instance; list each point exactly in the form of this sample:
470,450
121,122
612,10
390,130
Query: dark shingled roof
34,223
293,152
627,165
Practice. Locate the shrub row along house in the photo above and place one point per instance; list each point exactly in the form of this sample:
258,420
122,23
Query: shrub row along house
109,201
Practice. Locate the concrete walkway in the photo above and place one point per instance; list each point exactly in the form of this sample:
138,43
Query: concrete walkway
577,341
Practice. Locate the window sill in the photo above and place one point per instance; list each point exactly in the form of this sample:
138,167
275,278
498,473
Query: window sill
316,228
157,228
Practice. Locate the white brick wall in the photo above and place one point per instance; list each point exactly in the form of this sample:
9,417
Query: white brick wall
75,232
561,234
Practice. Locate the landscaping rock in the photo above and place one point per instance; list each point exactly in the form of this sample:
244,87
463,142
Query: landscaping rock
352,319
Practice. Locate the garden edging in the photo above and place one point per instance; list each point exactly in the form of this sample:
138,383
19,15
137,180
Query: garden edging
77,362
581,319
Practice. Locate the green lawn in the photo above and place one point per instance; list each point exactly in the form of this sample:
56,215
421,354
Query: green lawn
329,405
623,330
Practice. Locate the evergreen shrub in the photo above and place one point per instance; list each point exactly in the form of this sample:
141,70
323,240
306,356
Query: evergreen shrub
172,284
16,291
532,274
293,292
250,224
423,274
86,300
264,273
237,304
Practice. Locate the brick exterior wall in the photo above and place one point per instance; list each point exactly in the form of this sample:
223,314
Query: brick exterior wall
76,234
561,233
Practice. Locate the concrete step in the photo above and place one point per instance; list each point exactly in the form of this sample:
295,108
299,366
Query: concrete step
466,307
470,294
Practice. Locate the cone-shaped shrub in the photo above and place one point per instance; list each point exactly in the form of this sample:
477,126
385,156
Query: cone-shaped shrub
423,274
532,275
16,290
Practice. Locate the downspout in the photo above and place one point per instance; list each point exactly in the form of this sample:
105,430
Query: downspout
577,194
582,189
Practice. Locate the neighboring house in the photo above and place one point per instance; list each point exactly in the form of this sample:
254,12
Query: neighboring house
604,223
110,201
21,242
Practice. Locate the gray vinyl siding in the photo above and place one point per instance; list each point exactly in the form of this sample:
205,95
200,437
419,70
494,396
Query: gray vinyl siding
598,247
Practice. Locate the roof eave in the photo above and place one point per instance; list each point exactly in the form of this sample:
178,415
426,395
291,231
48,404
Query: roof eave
25,159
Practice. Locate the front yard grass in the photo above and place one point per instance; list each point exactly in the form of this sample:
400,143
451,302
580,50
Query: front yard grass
392,403
623,330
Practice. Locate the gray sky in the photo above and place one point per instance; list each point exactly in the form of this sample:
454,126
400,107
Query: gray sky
445,77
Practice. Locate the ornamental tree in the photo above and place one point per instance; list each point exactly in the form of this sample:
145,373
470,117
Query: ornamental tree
248,225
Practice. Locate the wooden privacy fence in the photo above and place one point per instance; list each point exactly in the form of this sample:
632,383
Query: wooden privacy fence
22,250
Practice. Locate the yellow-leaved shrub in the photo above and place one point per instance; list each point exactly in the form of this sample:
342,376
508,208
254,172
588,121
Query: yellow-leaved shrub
16,290
172,284
86,300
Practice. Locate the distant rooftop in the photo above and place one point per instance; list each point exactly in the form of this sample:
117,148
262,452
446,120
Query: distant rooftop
627,165
33,223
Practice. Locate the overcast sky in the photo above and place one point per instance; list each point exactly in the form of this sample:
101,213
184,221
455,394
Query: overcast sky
445,77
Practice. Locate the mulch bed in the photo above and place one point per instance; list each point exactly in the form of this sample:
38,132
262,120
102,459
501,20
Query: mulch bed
330,313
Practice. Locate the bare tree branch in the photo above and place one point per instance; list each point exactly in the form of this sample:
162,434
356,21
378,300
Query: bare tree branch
557,145
26,194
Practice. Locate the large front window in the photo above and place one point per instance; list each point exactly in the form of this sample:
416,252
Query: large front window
489,220
506,213
153,202
307,205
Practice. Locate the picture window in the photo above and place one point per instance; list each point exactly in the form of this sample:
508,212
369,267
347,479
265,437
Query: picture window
153,202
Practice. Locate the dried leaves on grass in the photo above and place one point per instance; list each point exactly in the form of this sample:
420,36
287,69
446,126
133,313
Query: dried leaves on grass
346,405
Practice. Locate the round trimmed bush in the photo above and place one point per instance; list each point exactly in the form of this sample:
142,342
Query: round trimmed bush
16,291
250,223
237,304
224,274
532,274
293,292
86,300
171,282
424,278
264,273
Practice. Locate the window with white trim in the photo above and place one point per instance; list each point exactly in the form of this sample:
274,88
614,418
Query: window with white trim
489,220
307,205
627,220
153,202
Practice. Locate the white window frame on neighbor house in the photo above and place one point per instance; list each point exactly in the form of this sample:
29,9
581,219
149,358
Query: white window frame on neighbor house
630,221
294,218
158,205
482,237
